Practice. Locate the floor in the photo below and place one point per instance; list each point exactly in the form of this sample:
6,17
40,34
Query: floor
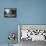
30,43
7,45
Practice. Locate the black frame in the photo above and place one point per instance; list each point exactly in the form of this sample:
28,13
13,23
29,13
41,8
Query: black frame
11,16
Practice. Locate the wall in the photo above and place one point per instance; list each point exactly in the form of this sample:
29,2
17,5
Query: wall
28,12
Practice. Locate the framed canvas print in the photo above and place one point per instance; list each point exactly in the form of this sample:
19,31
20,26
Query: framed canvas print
10,12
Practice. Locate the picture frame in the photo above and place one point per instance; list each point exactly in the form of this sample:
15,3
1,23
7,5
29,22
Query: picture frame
10,12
